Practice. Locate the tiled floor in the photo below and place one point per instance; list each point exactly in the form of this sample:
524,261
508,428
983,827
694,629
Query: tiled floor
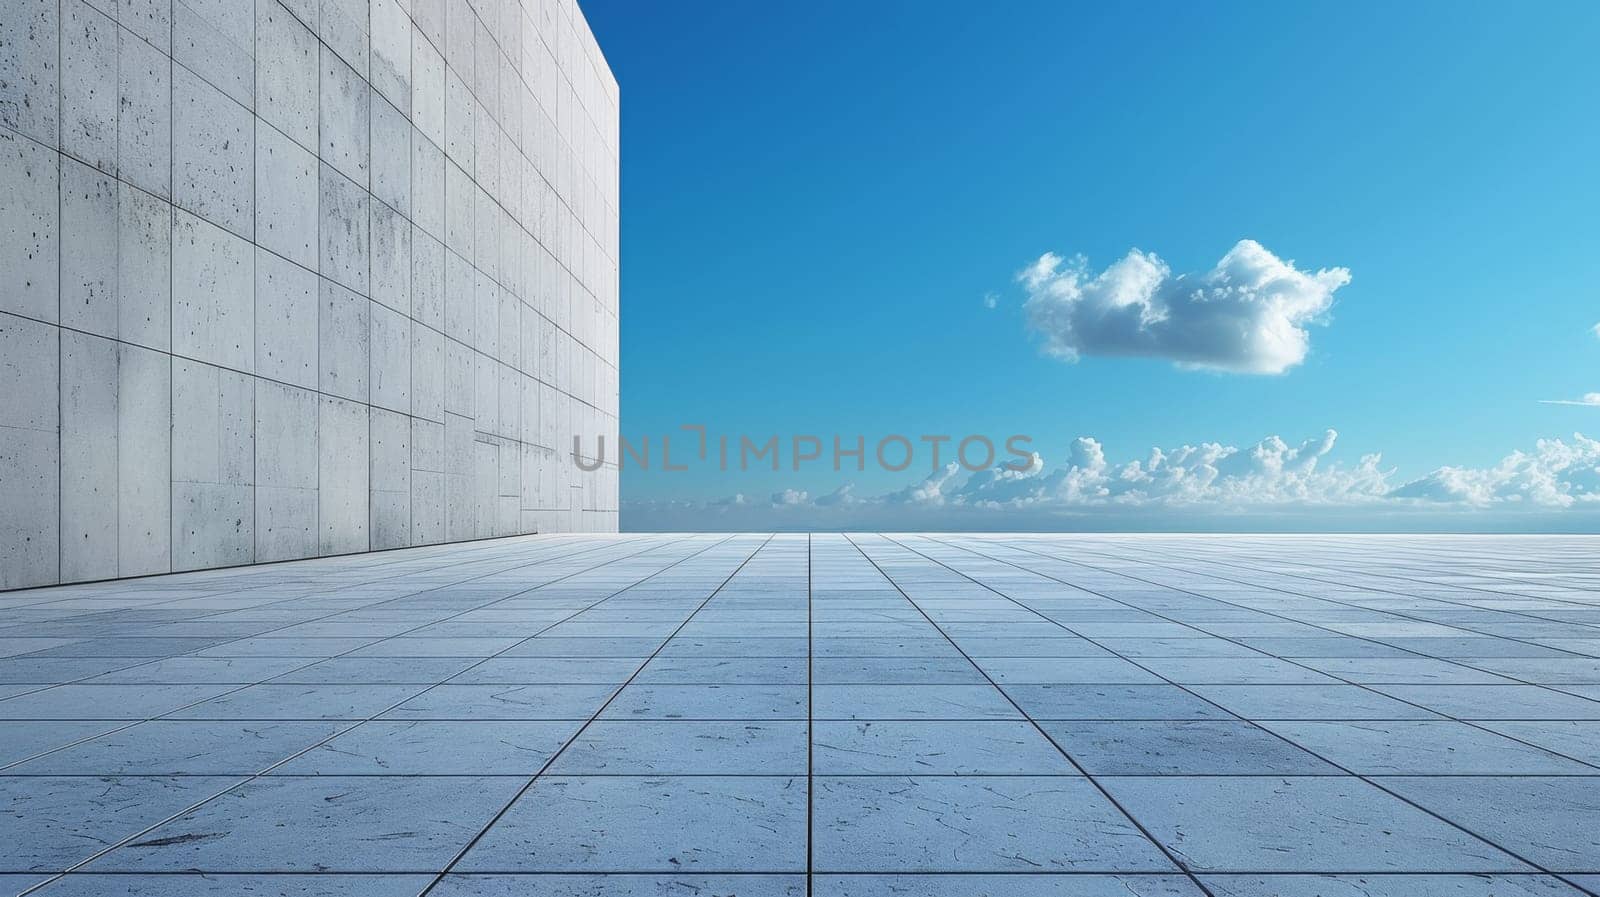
949,716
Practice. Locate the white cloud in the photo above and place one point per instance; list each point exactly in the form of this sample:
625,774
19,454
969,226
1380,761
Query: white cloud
1589,398
990,300
1596,330
1248,314
1554,475
1190,486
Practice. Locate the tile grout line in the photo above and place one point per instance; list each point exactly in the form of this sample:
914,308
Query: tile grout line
1149,837
545,767
316,661
1367,779
264,772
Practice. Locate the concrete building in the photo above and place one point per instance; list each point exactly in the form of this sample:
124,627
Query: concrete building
289,278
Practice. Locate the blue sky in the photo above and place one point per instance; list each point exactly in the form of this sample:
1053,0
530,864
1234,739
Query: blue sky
817,198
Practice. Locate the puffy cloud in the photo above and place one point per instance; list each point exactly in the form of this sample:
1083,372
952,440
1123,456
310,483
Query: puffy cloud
1589,398
990,300
1554,475
1270,483
1248,314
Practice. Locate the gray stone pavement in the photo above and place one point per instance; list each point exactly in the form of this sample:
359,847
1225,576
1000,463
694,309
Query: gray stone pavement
941,715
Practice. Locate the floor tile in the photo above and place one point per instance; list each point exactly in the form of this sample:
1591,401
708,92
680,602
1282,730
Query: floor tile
54,822
1019,885
21,740
1578,739
1439,747
1318,824
686,747
649,824
1493,701
322,824
845,702
1550,821
432,747
1180,747
301,701
928,747
973,824
182,747
1308,702
1112,702
215,885
115,702
752,702
577,885
1388,886
533,702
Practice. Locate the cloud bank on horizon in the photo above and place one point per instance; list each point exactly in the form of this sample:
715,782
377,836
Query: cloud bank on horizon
1207,482
1248,314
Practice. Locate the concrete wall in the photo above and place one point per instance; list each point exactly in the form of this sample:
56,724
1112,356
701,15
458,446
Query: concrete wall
286,278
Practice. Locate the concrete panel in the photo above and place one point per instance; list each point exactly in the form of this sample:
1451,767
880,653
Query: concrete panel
213,424
459,378
427,279
213,462
391,52
212,525
459,195
427,507
391,156
213,307
216,40
429,17
286,205
391,258
288,66
30,86
89,388
427,88
30,232
344,230
149,20
459,112
390,379
144,461
460,298
427,185
89,224
144,269
287,324
286,472
427,482
486,393
213,148
89,85
344,334
29,362
29,505
427,372
144,114
486,315
390,482
485,479
342,498
344,25
344,118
